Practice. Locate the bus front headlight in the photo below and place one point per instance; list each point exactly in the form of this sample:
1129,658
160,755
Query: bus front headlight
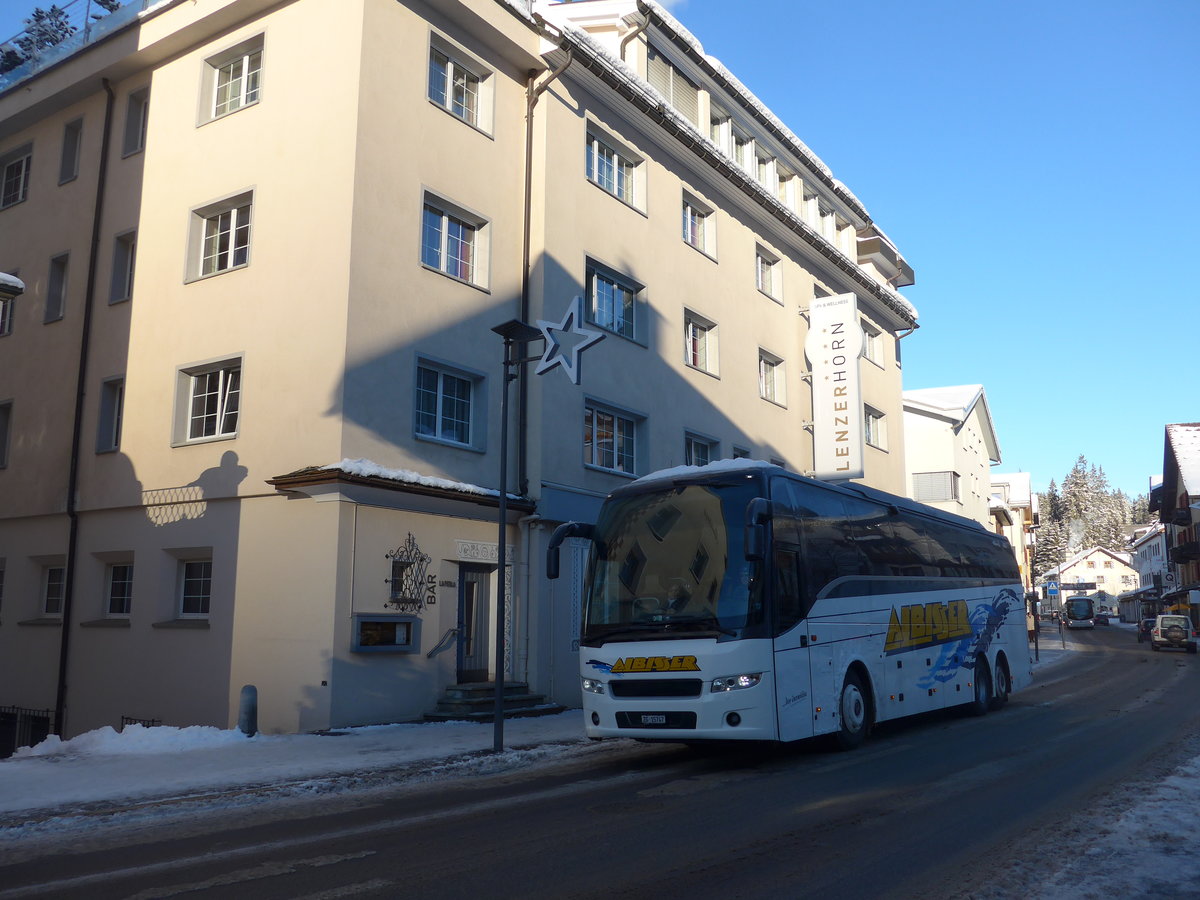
592,686
736,682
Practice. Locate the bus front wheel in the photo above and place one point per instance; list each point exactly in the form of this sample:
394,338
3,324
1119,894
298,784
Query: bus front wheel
1003,685
854,714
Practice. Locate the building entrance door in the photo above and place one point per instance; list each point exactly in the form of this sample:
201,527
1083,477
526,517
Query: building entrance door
474,611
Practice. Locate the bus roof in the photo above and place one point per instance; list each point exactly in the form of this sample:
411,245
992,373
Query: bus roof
721,470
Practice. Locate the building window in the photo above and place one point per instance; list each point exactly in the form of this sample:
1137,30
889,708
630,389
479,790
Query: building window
767,275
674,86
445,404
112,401
137,117
698,451
609,440
119,589
699,342
14,175
612,302
5,432
56,288
765,172
212,398
238,82
770,378
455,86
740,452
226,239
453,241
195,587
387,634
124,257
68,167
743,152
6,314
786,187
872,344
719,129
935,487
611,170
697,225
875,428
54,583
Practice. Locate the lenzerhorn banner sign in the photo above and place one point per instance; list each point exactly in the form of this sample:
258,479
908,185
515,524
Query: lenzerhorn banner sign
834,341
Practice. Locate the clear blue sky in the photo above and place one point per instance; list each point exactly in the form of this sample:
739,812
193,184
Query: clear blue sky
1036,162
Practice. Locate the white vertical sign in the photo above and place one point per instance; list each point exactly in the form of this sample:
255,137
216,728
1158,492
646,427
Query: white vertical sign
834,341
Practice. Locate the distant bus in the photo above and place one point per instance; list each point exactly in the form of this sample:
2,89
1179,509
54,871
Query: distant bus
1079,612
738,601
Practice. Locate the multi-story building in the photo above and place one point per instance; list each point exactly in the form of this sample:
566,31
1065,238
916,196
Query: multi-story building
1096,572
250,397
1148,552
1013,497
949,445
1178,508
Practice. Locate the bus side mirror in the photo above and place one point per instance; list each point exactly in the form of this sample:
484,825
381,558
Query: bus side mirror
561,533
758,512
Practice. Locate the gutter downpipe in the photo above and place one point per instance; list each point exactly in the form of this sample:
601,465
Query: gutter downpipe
60,695
532,94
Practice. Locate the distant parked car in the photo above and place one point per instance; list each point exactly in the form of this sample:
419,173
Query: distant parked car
1100,619
1144,628
1173,631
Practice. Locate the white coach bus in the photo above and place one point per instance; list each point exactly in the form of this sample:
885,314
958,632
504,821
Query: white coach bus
739,601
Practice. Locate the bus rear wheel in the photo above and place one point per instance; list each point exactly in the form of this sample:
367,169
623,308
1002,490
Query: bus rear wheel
854,714
1003,685
978,706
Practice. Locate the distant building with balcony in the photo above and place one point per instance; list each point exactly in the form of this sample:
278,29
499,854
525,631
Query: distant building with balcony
1178,508
1098,573
1014,510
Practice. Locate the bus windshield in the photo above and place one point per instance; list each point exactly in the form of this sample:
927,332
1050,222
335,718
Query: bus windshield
671,564
1079,609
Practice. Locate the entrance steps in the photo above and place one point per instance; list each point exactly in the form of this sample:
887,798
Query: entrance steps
476,702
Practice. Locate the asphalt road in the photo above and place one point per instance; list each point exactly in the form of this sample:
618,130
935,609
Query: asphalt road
937,808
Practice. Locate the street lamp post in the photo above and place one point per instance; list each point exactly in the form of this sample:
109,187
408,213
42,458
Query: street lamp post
516,334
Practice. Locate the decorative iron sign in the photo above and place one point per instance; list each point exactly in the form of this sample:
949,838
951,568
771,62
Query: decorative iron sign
409,586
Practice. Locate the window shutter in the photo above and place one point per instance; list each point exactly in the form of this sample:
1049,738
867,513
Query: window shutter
933,487
658,73
685,97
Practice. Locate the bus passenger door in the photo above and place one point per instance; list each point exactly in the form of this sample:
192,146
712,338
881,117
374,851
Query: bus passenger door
793,689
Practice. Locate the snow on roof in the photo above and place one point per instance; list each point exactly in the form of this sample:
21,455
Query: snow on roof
1184,439
957,399
14,284
1020,486
719,465
365,468
639,86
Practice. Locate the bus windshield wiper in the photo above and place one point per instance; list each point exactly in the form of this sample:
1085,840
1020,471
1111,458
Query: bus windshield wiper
711,622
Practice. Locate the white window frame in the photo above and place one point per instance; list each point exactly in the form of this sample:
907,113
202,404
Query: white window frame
7,305
615,169
209,255
768,273
111,582
56,288
445,229
772,378
14,175
112,409
6,408
137,121
788,187
476,399
743,154
764,171
54,589
123,264
624,426
239,67
72,144
194,573
872,344
720,129
875,428
628,326
936,487
228,411
701,343
453,74
698,227
700,450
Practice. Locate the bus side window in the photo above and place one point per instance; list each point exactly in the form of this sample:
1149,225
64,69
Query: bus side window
790,602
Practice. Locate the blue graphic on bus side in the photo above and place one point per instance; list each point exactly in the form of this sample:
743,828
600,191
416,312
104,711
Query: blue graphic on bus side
986,620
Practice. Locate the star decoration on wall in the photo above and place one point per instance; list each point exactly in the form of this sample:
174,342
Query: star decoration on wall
579,338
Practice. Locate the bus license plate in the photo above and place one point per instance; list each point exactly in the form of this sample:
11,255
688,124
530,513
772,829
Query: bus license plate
654,720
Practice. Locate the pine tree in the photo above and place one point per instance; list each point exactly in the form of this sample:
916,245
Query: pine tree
1050,550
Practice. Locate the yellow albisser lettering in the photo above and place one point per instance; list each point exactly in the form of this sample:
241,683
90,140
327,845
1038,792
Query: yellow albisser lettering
918,632
960,619
938,619
895,635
